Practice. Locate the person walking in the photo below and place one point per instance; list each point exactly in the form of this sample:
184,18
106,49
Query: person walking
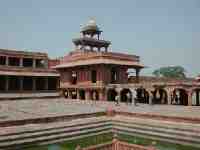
117,100
134,97
128,98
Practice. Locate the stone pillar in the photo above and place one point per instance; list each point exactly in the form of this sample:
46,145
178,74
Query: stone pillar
34,63
21,80
189,98
197,97
78,94
118,90
87,95
7,61
46,83
46,63
102,96
69,94
34,84
58,83
137,72
7,84
106,49
21,62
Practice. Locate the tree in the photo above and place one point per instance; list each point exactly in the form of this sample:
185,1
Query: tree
170,71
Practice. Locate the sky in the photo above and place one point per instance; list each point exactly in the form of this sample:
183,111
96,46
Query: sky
161,32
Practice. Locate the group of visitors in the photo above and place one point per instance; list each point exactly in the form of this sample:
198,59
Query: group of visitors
129,99
175,99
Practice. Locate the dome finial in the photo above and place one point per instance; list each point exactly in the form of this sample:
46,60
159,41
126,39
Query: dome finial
92,22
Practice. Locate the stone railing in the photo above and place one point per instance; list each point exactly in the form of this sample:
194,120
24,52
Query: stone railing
116,145
119,145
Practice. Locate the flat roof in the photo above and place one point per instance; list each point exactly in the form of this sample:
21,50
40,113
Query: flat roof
99,61
35,74
20,52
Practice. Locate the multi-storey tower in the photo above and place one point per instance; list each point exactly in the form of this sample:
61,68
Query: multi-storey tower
88,71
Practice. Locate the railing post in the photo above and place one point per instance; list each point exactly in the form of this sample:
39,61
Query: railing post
78,147
114,144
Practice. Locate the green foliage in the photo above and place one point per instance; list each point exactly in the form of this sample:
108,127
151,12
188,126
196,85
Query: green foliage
160,145
171,72
83,142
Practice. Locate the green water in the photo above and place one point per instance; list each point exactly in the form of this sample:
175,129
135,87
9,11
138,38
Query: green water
158,144
93,140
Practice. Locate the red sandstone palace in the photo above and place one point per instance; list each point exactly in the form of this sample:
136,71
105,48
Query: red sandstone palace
93,72
27,75
88,70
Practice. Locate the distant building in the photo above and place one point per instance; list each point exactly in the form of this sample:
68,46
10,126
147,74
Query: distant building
26,74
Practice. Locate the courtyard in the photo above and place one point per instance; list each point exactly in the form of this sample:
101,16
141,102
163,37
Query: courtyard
40,108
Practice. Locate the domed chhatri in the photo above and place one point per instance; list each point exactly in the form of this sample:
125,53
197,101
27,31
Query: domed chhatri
91,38
91,28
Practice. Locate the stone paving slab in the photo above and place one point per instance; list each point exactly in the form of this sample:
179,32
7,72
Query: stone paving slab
38,108
34,127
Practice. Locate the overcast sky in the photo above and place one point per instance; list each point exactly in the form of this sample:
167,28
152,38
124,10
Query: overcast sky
162,32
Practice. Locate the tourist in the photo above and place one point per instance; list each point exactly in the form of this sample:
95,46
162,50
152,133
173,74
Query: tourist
172,98
176,99
128,98
117,100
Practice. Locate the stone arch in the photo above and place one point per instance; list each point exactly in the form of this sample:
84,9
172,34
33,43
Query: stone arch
142,95
81,94
180,97
196,97
123,95
111,94
160,96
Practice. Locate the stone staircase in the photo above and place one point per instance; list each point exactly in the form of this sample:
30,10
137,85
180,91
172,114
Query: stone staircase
20,137
174,132
41,134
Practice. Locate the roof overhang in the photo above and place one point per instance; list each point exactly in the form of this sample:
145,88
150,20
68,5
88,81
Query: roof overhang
130,64
36,74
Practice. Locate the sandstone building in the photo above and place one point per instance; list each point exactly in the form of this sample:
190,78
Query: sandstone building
87,71
26,74
93,72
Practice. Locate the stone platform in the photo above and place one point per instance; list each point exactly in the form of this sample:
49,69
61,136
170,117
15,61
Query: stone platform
41,108
85,120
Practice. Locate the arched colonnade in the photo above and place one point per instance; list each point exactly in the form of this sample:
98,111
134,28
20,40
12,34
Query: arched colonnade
155,95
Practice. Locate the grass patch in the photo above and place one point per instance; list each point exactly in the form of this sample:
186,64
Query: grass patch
103,138
99,114
71,145
158,144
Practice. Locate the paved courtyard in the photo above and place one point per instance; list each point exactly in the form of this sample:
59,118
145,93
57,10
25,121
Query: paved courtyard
35,108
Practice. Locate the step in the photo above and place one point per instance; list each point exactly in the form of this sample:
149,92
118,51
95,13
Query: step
159,123
53,131
31,128
158,129
52,137
161,135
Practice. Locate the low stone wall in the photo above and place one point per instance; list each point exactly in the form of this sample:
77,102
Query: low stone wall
155,116
116,145
49,119
7,96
